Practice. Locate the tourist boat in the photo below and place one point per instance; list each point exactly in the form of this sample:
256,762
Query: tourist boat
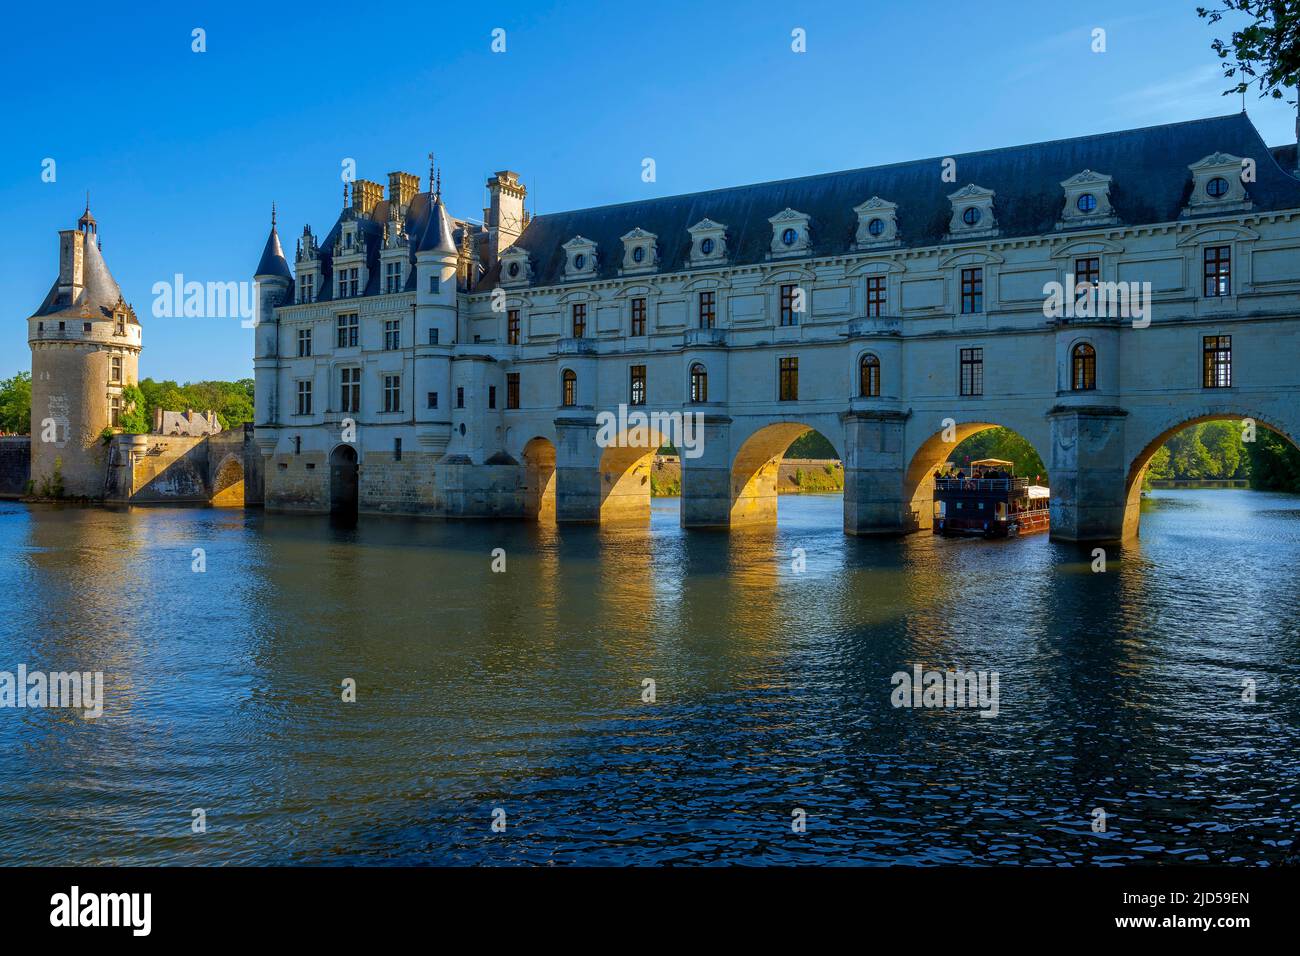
989,501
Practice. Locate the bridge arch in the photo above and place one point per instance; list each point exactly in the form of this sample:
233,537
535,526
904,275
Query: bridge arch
756,464
624,472
228,485
1167,428
538,458
935,449
345,486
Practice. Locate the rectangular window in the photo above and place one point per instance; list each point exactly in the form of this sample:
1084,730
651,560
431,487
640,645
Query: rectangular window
637,392
352,282
433,336
512,326
638,317
1218,361
393,277
492,396
512,389
304,342
306,288
119,324
397,449
392,334
350,400
788,316
1218,270
972,371
460,397
304,398
392,393
432,399
433,283
115,410
579,319
1087,273
875,296
85,326
972,291
789,385
349,330
708,309
115,370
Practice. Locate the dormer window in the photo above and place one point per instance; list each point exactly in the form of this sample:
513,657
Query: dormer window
706,247
640,251
972,214
580,258
638,254
514,267
119,323
790,234
789,237
1217,187
876,228
877,223
708,243
513,270
1086,203
580,262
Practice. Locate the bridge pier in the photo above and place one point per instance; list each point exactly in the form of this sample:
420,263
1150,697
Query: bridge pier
706,480
1089,473
875,468
577,471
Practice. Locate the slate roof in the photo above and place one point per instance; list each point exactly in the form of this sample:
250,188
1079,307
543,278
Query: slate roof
273,262
1151,183
99,294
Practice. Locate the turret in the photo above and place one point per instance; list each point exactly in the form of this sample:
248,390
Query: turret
273,281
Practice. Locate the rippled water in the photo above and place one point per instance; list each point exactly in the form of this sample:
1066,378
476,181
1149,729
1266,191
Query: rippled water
522,691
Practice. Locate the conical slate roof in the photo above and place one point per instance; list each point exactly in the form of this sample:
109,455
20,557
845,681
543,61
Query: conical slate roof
273,261
99,293
437,233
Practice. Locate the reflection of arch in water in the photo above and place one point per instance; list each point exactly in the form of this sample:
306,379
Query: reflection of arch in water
1138,467
539,479
344,490
625,475
918,483
228,487
756,468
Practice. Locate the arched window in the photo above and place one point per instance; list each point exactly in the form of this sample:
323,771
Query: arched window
570,379
699,383
869,376
1083,368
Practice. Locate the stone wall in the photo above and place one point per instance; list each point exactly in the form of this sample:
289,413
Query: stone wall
15,465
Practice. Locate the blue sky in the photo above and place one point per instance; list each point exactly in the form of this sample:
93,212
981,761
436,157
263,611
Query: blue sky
183,152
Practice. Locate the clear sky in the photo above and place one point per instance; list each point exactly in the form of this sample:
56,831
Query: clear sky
183,152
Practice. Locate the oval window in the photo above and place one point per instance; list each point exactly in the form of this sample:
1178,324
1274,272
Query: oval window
789,237
579,262
513,270
706,247
970,216
1216,187
1087,202
638,253
876,227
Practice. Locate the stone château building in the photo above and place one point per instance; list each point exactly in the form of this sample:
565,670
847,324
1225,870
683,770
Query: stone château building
416,362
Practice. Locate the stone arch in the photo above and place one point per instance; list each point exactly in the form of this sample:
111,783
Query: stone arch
624,472
933,451
756,466
228,486
344,482
1167,429
539,479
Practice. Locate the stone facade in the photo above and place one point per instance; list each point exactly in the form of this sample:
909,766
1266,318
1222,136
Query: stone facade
15,465
894,311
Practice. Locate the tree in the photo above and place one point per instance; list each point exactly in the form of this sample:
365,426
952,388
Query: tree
134,419
16,404
1265,52
1000,443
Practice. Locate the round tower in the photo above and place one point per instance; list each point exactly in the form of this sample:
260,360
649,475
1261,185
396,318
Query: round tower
273,281
85,341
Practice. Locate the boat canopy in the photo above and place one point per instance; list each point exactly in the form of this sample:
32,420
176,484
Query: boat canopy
1039,491
991,462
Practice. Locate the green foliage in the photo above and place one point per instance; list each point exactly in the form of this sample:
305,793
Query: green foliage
1000,443
16,404
52,484
232,401
664,486
1274,463
1265,52
1211,450
135,420
812,445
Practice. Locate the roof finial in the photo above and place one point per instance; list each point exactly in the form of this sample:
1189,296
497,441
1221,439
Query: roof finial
345,194
87,200
438,193
431,174
272,213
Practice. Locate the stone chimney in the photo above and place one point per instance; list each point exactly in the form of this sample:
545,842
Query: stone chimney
505,214
402,188
366,196
72,263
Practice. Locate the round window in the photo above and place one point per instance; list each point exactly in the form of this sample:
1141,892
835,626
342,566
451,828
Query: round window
970,216
876,227
1216,187
706,247
789,237
638,253
579,262
1087,202
513,270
